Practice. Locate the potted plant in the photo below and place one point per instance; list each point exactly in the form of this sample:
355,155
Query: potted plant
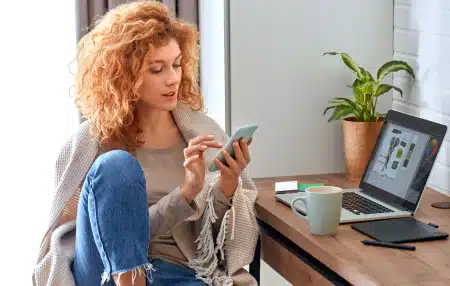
361,121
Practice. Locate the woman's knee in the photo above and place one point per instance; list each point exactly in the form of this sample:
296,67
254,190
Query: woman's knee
118,162
119,171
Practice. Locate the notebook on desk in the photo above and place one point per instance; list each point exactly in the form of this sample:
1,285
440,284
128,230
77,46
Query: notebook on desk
399,230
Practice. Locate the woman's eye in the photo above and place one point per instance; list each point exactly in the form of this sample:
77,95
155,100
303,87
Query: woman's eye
155,71
176,65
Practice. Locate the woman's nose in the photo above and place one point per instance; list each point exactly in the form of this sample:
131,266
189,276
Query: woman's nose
173,77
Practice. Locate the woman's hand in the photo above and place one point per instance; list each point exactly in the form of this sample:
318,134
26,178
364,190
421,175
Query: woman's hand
229,176
194,165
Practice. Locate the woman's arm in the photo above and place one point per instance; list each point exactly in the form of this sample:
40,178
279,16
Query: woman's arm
179,204
168,212
221,205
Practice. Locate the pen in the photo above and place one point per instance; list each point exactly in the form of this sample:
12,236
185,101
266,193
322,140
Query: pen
433,225
389,244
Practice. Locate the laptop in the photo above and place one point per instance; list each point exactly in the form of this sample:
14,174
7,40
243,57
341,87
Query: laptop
396,174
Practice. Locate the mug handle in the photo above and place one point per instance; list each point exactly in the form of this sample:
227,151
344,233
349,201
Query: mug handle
295,210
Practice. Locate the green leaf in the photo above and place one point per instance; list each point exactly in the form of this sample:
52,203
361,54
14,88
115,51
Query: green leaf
383,88
348,61
328,108
340,112
362,111
358,91
366,75
357,111
394,66
369,88
399,90
363,88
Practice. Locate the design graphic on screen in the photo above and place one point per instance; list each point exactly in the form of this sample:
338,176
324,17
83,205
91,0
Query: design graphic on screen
408,155
397,160
432,148
396,151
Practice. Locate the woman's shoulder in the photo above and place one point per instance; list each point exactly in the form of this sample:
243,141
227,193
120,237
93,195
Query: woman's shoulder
80,147
82,132
81,138
84,128
210,125
196,120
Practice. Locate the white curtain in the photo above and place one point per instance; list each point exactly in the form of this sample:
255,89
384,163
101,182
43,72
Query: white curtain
37,115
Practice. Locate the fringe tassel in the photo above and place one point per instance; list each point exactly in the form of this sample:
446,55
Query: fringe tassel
145,269
105,278
206,251
205,247
224,280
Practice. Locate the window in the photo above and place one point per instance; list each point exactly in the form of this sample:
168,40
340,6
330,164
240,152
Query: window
212,58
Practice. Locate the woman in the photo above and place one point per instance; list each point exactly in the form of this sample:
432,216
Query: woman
134,201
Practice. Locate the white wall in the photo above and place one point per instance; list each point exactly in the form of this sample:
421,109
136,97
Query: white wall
422,38
212,57
280,81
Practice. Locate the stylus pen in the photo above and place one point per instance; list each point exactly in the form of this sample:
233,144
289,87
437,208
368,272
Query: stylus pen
389,244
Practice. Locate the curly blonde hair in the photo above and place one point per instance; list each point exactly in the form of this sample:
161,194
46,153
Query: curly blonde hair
112,59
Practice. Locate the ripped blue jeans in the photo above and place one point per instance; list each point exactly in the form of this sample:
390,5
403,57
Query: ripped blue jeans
113,227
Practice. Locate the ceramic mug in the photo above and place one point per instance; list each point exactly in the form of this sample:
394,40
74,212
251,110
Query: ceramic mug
323,209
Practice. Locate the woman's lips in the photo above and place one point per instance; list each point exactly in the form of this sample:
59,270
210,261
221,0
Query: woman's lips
169,93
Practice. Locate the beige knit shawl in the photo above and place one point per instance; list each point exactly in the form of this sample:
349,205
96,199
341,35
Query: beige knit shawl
233,247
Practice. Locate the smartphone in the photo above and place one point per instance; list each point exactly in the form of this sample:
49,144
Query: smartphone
245,132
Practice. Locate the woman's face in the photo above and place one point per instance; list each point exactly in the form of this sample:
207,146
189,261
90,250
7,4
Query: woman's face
161,82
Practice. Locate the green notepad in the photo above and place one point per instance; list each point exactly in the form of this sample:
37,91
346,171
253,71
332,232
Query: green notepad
302,187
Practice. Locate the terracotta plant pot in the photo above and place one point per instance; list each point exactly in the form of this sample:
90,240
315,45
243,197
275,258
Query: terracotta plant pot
359,140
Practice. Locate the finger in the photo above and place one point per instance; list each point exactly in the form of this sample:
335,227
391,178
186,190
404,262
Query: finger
188,162
245,151
200,139
238,154
223,169
212,144
192,150
199,148
231,162
250,141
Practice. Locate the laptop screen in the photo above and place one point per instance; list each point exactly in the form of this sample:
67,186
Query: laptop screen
398,161
400,164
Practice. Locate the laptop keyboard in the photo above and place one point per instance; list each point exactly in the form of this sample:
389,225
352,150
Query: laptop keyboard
360,205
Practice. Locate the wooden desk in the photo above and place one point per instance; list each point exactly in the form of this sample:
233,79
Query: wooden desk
306,259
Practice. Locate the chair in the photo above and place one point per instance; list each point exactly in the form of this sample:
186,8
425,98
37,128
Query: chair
255,265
